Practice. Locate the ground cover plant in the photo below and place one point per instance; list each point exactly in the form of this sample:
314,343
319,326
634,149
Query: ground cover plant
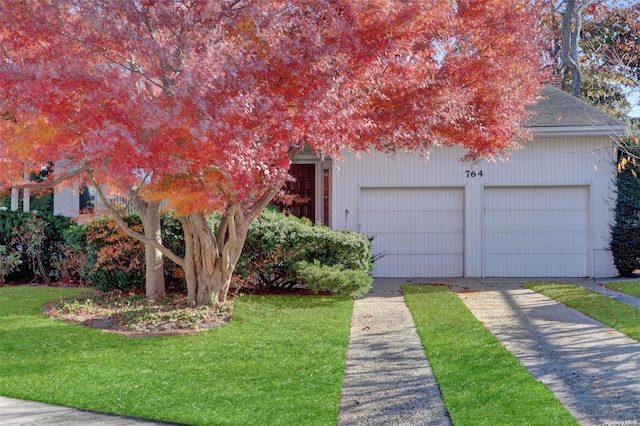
134,315
481,382
629,287
279,361
621,316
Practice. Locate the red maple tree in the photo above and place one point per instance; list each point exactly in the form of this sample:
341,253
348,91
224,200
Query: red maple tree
204,103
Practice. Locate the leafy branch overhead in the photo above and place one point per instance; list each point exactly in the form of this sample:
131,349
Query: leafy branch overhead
212,99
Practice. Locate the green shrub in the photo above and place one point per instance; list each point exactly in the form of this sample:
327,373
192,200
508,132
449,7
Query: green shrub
334,279
625,231
8,262
173,239
39,238
276,242
347,248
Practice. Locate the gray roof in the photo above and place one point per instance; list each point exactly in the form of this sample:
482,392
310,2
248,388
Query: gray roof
559,109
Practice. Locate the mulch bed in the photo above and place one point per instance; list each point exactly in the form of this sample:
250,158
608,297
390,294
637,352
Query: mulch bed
109,318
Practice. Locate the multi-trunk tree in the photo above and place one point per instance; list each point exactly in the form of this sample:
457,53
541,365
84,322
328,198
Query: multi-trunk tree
203,104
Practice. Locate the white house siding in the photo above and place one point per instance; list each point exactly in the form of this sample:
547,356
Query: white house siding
66,201
581,162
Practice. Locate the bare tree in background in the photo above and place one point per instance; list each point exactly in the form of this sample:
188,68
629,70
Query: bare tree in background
571,11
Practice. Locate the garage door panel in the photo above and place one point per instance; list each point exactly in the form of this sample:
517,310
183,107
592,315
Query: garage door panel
536,232
408,199
528,243
537,198
410,243
420,230
414,222
538,221
559,265
419,266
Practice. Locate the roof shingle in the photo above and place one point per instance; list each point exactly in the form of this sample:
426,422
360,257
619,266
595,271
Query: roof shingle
559,109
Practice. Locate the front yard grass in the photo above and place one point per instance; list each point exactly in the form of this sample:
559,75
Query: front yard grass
632,287
481,382
621,316
279,361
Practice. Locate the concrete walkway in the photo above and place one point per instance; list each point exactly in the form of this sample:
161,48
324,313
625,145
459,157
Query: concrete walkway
596,285
15,412
388,380
592,369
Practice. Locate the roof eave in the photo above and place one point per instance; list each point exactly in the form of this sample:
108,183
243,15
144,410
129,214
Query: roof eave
578,131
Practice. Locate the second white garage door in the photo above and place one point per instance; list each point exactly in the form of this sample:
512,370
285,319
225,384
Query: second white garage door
419,230
536,232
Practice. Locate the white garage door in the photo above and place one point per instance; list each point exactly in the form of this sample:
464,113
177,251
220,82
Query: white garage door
420,230
536,232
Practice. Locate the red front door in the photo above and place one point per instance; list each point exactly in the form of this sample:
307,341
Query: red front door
304,189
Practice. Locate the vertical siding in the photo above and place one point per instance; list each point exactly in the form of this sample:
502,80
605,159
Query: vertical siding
66,200
543,162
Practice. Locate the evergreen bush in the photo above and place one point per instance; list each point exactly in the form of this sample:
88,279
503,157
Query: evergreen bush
333,279
40,241
625,231
276,242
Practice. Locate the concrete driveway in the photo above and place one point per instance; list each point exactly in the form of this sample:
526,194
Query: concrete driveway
592,369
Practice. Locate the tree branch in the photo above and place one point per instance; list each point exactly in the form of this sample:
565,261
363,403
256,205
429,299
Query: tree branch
130,232
55,182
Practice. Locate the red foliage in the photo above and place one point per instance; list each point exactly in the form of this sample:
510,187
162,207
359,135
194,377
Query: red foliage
212,98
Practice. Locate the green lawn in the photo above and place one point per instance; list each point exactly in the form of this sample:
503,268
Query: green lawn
621,316
631,287
481,382
280,361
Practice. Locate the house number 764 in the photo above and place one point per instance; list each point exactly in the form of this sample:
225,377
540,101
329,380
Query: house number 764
473,173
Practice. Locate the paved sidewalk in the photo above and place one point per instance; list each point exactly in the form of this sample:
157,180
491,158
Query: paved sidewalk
388,380
591,368
16,412
596,285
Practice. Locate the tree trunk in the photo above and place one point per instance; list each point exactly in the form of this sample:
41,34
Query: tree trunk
210,259
571,29
150,214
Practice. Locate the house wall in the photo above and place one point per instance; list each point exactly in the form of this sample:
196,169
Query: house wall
66,201
581,162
